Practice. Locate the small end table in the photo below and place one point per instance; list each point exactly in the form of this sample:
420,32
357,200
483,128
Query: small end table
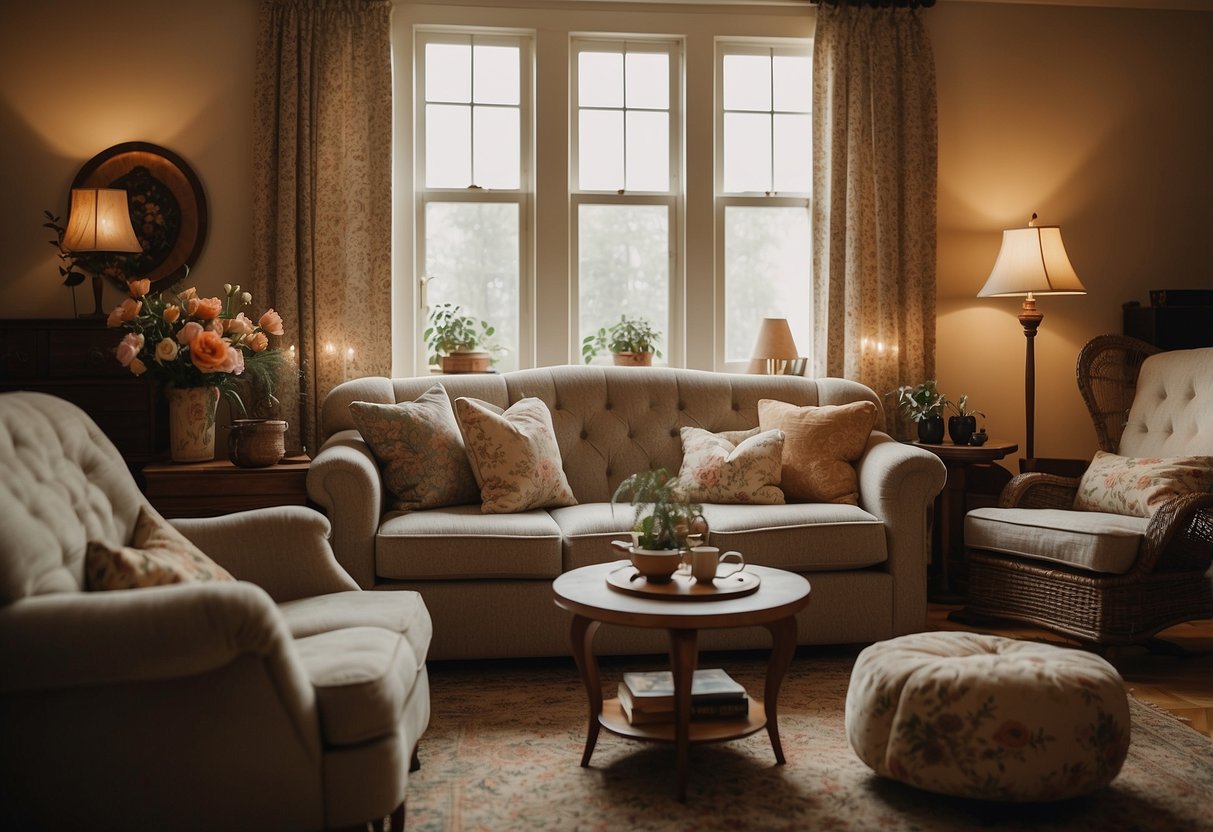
208,489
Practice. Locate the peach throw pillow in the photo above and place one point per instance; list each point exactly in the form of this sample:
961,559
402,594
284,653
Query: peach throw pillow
819,446
158,555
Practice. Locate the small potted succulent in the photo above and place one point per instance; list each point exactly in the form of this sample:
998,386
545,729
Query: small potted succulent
925,405
663,520
632,342
459,343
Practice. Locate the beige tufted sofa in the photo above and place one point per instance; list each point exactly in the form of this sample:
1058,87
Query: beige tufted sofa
287,699
486,579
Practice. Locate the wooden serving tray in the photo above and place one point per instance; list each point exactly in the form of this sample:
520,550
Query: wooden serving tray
682,587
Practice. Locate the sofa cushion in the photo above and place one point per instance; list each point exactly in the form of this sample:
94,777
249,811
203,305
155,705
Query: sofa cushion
401,612
716,469
800,537
820,444
419,449
514,455
158,555
587,530
1095,541
362,677
462,543
1139,485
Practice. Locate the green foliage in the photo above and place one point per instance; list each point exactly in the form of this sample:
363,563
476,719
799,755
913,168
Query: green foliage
961,406
452,331
924,401
663,516
628,335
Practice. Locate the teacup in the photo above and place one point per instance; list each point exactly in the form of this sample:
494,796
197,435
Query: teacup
706,560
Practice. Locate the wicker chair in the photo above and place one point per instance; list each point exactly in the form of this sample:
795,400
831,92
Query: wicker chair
1168,580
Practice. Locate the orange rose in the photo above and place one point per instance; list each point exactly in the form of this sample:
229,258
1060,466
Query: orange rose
208,308
172,313
257,342
138,367
186,294
126,311
209,352
139,288
271,322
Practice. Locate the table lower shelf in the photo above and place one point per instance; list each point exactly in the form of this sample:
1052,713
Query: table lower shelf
615,720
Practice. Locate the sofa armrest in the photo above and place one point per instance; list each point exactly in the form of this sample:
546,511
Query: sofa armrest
1039,490
344,479
898,483
284,550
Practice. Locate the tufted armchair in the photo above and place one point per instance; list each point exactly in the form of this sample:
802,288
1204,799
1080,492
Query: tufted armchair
1105,577
286,699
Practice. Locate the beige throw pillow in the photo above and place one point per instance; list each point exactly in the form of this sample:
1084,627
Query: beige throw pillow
158,555
1138,486
819,446
514,455
716,470
420,450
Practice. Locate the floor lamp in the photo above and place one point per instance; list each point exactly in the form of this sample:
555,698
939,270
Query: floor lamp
99,222
1032,261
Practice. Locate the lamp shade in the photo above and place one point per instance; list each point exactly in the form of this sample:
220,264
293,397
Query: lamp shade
1032,260
100,220
775,341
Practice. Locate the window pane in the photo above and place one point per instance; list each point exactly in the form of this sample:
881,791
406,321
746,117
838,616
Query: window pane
747,152
648,158
448,146
623,267
496,77
648,80
600,79
471,254
793,153
747,82
496,143
793,82
600,150
448,72
766,263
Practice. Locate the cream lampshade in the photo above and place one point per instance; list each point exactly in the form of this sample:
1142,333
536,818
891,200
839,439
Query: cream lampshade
99,221
775,348
1032,261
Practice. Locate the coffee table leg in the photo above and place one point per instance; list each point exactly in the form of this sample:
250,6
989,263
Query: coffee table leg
684,655
582,632
783,636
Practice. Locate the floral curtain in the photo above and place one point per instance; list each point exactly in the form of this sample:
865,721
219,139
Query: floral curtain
322,193
874,186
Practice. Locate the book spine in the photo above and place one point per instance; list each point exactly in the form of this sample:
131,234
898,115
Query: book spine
712,710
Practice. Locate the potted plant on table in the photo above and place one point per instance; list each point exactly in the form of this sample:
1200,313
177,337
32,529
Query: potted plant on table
459,343
632,342
664,522
925,405
963,425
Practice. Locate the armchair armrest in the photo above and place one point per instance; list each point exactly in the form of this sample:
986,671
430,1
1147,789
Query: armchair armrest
284,550
1179,537
344,478
1037,490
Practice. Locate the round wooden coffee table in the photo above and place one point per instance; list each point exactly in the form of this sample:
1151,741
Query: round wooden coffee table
584,592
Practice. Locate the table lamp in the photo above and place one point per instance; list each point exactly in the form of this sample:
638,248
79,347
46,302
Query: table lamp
775,348
1032,261
100,222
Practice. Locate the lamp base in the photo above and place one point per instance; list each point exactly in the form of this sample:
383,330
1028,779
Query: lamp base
97,312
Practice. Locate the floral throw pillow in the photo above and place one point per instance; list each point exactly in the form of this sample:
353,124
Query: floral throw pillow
819,446
419,449
514,455
158,555
1137,486
715,470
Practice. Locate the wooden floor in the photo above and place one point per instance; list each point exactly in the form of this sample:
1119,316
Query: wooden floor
1182,685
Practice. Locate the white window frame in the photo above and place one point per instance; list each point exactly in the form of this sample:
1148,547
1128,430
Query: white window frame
523,196
798,47
673,342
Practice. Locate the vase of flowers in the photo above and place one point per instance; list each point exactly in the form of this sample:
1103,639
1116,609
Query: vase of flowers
197,349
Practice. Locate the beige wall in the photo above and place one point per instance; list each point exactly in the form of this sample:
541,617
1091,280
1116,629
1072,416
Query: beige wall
1099,119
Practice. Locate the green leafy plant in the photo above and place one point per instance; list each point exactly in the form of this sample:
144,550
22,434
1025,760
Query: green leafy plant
663,516
961,406
635,335
922,401
451,331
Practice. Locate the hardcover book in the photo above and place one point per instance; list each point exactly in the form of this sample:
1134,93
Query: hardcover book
654,690
641,714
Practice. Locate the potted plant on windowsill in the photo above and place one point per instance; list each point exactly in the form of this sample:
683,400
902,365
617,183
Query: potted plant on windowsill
925,405
632,342
459,343
663,520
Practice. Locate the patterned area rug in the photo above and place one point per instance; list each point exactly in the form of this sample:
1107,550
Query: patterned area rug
505,741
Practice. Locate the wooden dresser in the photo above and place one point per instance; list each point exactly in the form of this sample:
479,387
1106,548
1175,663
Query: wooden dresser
73,358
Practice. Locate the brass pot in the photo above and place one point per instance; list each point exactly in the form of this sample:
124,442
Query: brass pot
256,443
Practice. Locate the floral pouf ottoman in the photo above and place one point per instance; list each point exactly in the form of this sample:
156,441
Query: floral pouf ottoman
988,717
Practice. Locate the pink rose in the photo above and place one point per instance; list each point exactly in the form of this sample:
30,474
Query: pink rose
129,348
191,292
189,331
239,325
271,322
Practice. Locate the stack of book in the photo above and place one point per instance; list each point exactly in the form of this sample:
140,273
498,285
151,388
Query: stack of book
649,697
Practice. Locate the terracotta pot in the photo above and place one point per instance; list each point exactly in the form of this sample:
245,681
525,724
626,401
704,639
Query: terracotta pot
633,359
466,362
657,565
256,443
191,423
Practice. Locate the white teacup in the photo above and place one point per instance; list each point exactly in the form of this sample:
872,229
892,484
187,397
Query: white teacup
706,560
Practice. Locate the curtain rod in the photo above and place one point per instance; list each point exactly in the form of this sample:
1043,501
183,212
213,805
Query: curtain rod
901,4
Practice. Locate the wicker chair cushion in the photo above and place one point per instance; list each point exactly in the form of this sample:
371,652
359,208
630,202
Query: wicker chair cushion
986,717
1091,540
1173,406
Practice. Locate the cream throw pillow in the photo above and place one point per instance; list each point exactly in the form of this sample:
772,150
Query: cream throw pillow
420,450
514,455
819,445
715,470
1137,486
158,555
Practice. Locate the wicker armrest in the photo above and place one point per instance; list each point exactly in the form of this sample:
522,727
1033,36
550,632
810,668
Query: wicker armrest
1036,490
1180,536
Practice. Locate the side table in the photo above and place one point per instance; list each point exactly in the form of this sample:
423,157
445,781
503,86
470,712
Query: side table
208,489
963,462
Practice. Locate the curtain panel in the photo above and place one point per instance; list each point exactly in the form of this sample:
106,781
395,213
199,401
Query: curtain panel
874,192
322,194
